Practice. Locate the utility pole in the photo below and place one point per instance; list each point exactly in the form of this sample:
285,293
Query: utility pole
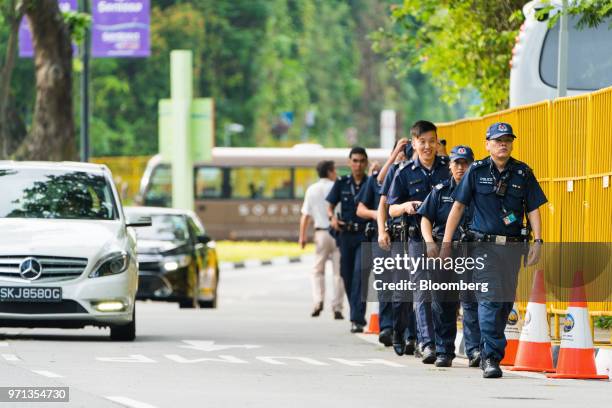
562,56
85,90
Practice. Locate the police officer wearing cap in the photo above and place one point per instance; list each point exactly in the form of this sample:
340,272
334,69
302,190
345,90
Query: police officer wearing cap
434,212
412,183
352,232
502,191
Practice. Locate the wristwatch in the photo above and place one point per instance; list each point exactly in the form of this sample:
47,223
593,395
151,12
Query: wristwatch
539,240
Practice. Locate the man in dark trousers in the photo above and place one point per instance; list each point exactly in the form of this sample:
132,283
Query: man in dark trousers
352,232
412,183
502,191
444,307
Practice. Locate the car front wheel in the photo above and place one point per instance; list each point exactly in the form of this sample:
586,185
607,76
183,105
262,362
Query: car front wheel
126,332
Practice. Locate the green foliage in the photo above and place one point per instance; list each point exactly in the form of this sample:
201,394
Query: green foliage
77,23
604,322
464,45
257,59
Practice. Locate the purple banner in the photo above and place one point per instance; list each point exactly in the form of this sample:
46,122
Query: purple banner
120,28
26,47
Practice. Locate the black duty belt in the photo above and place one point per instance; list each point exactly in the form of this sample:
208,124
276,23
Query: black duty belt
321,229
353,227
498,239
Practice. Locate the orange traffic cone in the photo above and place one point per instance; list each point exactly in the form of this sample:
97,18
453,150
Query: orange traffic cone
534,351
577,356
513,333
374,326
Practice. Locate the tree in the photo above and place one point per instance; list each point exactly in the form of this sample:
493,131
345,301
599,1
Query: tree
52,135
12,12
464,45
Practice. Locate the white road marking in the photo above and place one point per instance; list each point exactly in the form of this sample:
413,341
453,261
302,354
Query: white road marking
128,402
4,344
48,374
207,345
222,359
133,358
274,360
370,338
363,363
10,357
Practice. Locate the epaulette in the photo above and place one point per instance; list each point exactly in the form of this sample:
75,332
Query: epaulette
404,164
481,163
443,184
521,168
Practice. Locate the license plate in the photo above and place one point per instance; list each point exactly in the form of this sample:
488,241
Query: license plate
30,294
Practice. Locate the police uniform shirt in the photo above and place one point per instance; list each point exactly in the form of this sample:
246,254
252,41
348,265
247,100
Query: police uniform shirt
345,191
413,181
491,211
437,206
369,195
386,185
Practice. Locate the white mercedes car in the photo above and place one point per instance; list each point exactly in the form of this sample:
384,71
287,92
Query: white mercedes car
67,253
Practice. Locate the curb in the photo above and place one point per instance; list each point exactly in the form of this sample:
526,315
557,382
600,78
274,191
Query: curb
256,263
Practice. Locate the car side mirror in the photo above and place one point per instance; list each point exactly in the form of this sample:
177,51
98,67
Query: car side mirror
139,221
204,239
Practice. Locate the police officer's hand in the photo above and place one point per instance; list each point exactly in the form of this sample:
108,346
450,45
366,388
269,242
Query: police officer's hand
302,242
399,147
535,249
336,223
445,250
410,207
432,250
384,241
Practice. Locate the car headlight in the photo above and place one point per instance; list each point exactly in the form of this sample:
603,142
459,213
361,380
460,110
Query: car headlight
172,263
112,264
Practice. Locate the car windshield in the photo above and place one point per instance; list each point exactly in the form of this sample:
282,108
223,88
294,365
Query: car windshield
55,194
165,227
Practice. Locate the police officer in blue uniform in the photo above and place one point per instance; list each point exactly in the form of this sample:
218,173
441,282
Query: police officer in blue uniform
434,212
412,183
368,200
502,191
352,232
404,327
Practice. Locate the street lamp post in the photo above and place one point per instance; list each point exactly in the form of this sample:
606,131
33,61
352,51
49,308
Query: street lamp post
562,55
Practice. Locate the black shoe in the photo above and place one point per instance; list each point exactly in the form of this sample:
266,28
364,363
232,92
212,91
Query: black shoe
356,328
399,345
443,360
317,310
474,360
417,351
429,355
410,347
386,337
338,316
490,369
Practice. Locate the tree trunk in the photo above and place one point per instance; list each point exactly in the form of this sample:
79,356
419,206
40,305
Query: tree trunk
52,136
13,17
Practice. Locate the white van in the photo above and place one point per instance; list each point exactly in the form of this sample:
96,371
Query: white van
533,77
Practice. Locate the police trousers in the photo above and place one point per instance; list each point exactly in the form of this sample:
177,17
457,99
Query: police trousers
404,320
500,273
351,272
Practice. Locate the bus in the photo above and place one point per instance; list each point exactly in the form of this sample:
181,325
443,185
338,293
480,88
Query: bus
249,193
533,77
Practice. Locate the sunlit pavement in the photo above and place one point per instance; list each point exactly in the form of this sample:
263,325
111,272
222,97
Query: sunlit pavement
259,348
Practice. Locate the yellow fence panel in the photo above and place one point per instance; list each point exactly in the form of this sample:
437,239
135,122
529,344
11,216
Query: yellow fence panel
127,172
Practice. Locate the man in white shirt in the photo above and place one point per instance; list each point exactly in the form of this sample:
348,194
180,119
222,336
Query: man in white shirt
315,209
